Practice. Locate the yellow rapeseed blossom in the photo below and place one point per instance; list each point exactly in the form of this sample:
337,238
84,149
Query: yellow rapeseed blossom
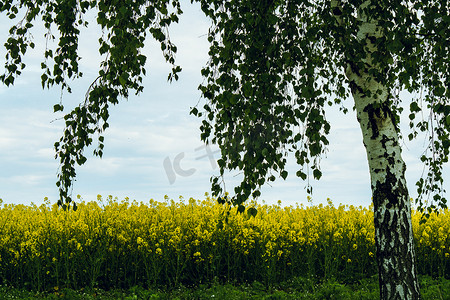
110,239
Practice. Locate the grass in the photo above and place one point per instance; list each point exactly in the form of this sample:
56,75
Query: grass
297,288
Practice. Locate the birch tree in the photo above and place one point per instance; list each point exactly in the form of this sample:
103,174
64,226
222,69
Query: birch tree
274,67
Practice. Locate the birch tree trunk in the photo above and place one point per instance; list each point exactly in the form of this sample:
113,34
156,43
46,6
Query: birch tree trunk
392,208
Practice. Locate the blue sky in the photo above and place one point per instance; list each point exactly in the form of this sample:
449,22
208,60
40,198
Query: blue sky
153,145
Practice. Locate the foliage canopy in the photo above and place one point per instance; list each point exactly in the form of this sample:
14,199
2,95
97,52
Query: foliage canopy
274,67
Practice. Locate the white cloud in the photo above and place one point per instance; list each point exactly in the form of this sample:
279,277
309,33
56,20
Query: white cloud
28,180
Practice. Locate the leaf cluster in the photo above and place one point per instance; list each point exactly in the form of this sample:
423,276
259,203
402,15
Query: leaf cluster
265,89
275,65
125,26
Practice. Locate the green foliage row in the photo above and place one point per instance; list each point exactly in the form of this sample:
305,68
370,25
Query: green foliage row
296,288
111,244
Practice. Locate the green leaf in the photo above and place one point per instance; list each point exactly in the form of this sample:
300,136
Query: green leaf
58,107
247,89
81,160
414,107
314,149
221,200
317,174
252,212
194,111
301,174
122,80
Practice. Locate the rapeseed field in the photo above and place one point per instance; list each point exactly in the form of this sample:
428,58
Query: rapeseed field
119,244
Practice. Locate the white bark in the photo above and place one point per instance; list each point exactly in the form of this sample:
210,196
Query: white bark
392,208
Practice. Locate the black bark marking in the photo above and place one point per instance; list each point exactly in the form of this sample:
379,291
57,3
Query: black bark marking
371,112
376,171
356,89
378,113
356,70
390,190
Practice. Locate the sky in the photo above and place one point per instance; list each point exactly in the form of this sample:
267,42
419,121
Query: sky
153,145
